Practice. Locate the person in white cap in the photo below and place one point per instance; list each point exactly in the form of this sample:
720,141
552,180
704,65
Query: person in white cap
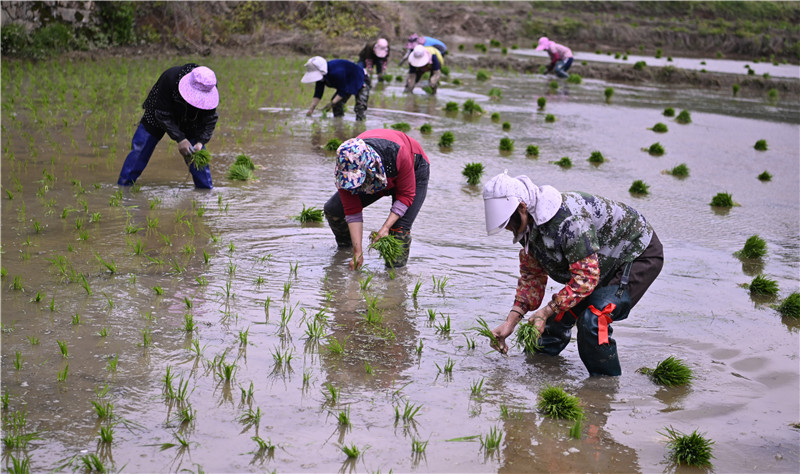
347,77
424,59
182,104
560,56
375,53
604,252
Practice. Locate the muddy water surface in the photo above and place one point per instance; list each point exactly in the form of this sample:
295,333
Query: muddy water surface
268,277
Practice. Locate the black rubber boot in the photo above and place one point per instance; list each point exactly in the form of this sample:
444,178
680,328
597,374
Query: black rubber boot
404,237
340,230
556,334
597,349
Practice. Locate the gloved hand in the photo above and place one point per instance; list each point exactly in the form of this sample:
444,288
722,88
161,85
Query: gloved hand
184,147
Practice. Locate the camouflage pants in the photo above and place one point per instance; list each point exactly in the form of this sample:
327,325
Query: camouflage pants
362,99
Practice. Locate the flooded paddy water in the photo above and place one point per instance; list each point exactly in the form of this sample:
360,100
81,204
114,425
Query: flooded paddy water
203,336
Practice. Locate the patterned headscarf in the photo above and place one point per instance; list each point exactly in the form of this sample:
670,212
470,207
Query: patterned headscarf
359,168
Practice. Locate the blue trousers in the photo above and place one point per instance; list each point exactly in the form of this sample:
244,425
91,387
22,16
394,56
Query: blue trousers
142,147
562,67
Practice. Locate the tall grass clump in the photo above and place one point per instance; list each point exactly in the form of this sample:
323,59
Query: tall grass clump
722,200
473,172
762,285
670,372
684,117
691,450
790,306
754,247
506,144
554,402
761,145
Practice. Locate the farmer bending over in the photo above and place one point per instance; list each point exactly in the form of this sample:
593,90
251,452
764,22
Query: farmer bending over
377,163
422,60
604,252
183,104
416,39
375,53
560,56
347,77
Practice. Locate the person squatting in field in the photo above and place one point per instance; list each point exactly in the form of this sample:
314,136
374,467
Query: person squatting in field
346,77
424,59
374,53
604,252
560,56
375,164
182,104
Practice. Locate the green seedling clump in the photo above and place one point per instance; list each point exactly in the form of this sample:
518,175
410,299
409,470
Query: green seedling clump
692,450
506,144
554,85
541,102
762,285
311,214
670,372
574,79
425,128
480,47
556,403
333,144
765,176
659,128
451,107
761,145
684,117
446,140
200,159
754,247
495,116
527,338
506,126
608,92
790,306
471,107
245,160
564,162
549,118
656,149
772,94
532,150
722,200
240,172
401,126
680,171
639,187
390,248
669,112
482,75
495,93
473,173
385,78
596,157
639,65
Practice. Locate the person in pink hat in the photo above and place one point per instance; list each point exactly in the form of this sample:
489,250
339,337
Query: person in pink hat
416,39
375,53
424,59
560,56
182,104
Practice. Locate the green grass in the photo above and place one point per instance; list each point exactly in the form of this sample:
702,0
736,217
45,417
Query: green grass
761,145
722,200
554,402
473,172
679,171
754,247
639,187
691,450
670,372
790,306
310,214
762,285
506,144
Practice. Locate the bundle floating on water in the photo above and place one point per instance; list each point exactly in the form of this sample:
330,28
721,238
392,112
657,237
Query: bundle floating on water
333,144
670,372
245,160
473,172
528,338
311,214
692,450
556,403
240,172
390,248
200,159
401,126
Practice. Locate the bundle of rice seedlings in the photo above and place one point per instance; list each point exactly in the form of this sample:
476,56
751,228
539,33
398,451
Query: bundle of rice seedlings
670,372
680,171
692,450
425,128
639,187
564,162
445,71
451,107
669,112
659,128
554,85
446,140
541,102
762,285
240,172
790,306
554,402
608,92
722,200
333,144
386,78
596,157
639,65
471,107
245,160
684,117
456,82
735,89
200,159
401,126
506,126
527,338
495,116
656,149
473,173
311,214
549,118
761,145
389,248
574,79
495,93
754,247
483,330
765,176
532,150
506,144
482,75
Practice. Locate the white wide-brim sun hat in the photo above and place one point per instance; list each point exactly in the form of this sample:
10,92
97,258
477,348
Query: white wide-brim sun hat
419,56
316,68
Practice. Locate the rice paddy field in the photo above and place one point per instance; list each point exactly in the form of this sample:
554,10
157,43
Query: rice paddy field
159,328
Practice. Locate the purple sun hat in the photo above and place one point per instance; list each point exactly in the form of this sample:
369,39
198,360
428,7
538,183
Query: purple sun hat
199,88
359,164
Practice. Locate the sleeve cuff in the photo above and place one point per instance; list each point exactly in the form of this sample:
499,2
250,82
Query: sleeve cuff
354,218
399,208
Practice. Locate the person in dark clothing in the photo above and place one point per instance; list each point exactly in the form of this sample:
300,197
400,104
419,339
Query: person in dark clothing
375,53
347,77
377,163
182,104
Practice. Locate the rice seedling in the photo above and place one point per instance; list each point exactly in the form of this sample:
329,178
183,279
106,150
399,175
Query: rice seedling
4,400
19,466
451,107
154,202
251,417
790,306
482,76
639,65
417,286
722,200
240,172
92,463
506,126
62,346
670,372
33,340
401,127
476,387
765,176
691,450
38,297
527,338
200,159
111,363
541,102
470,342
596,158
331,393
659,128
344,417
446,140
761,145
491,441
443,327
76,319
483,330
495,93
110,266
263,446
408,412
608,93
772,93
554,402
147,337
564,162
532,150
417,446
575,429
639,187
735,88
311,214
549,118
106,434
103,332
762,285
471,107
333,144
389,247
656,149
351,451
159,291
495,116
574,79
473,173
85,284
684,117
425,128
18,360
754,247
447,368
440,283
104,410
245,160
507,414
282,357
506,144
679,171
